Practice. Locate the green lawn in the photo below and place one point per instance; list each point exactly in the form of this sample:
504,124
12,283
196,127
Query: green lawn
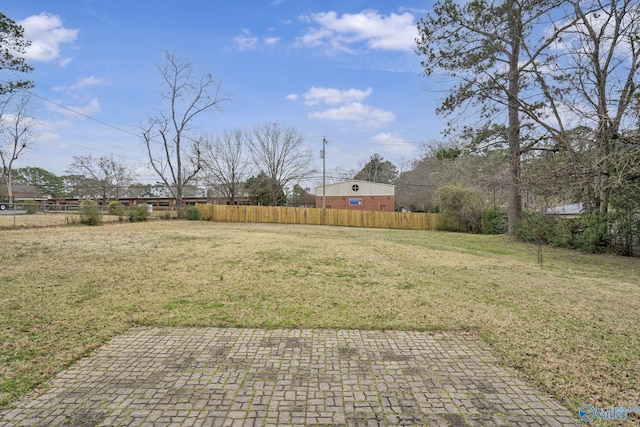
570,327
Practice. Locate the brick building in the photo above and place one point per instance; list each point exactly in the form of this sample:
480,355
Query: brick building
358,195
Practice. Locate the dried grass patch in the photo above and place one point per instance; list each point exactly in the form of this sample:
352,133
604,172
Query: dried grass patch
8,221
571,327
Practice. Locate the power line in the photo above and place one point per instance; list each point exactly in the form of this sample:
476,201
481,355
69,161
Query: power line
81,114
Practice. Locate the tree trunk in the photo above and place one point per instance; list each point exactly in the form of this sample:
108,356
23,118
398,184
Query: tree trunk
10,187
179,199
515,192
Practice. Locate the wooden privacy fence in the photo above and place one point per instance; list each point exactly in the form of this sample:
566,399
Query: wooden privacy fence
317,216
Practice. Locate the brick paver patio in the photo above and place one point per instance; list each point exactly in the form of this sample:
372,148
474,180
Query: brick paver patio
251,377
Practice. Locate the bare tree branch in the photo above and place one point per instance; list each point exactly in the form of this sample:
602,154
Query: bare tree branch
106,178
225,164
16,126
279,152
174,147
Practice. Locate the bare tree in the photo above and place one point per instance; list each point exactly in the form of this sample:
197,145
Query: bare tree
225,164
279,152
16,125
105,177
601,74
173,146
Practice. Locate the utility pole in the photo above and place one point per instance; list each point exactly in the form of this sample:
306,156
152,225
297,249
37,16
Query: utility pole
323,154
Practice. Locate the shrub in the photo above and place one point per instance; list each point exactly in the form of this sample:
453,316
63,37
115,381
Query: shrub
495,220
446,223
564,233
117,208
534,227
463,204
589,233
31,206
192,213
138,213
592,233
625,233
89,212
166,215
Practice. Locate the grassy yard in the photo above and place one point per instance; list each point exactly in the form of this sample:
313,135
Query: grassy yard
570,327
41,219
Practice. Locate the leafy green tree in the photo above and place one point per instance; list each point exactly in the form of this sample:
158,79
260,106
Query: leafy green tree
377,169
146,190
260,186
300,196
448,153
74,185
12,46
48,182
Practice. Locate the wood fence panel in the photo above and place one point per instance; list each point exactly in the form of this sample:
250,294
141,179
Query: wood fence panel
318,216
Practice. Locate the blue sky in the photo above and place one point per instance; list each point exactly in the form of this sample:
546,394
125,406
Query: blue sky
344,70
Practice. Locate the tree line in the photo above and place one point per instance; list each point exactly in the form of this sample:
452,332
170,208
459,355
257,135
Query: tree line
555,84
543,109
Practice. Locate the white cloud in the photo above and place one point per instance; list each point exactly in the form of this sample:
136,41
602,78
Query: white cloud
246,41
271,40
87,82
292,96
364,115
349,106
46,33
332,96
393,143
337,33
64,62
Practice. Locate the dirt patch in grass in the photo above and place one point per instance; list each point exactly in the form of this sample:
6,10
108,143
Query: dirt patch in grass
570,327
